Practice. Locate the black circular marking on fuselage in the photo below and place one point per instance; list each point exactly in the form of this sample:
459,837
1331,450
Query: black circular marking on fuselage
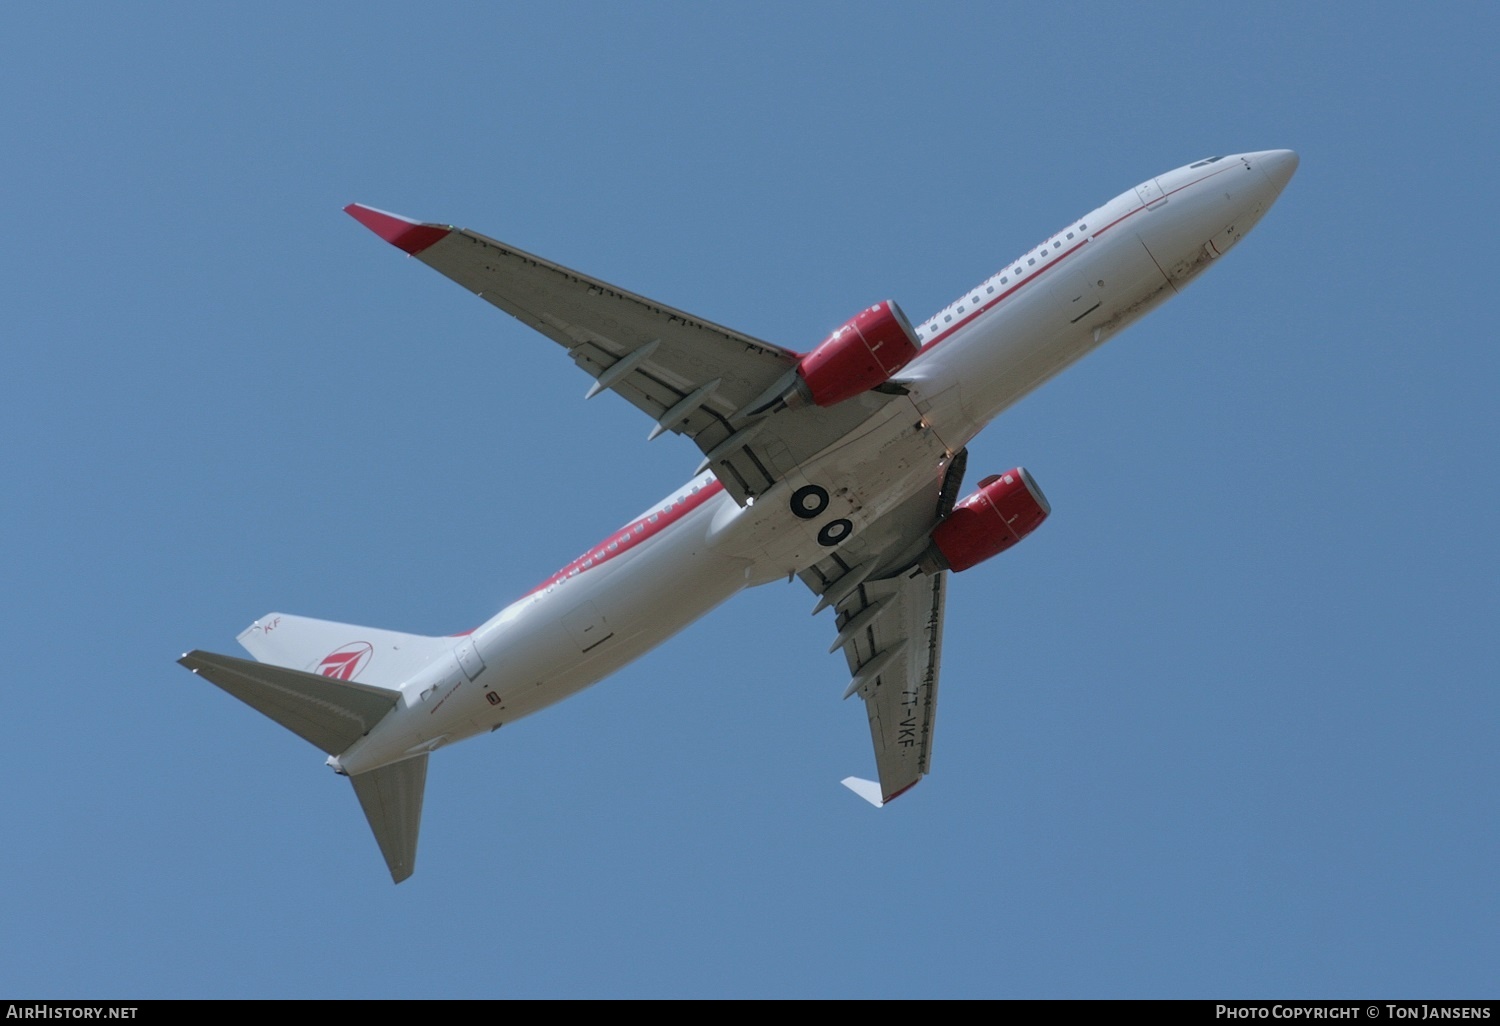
808,501
834,532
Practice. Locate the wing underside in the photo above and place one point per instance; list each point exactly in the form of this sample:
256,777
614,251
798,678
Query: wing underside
688,374
890,621
900,693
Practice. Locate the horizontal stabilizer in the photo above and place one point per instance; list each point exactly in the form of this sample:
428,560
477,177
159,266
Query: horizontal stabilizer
332,714
392,799
866,789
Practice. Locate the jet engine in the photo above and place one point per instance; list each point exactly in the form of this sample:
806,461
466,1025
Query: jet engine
1006,508
871,346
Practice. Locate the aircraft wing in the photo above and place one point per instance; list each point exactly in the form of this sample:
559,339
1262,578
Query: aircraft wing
688,374
890,620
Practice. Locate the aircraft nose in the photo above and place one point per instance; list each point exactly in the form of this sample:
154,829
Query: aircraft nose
1278,167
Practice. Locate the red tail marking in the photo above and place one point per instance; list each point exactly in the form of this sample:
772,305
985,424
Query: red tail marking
345,663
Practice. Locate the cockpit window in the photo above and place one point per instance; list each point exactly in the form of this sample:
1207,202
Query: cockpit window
1203,163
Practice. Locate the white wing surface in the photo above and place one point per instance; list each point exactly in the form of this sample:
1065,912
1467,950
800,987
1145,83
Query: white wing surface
890,621
690,375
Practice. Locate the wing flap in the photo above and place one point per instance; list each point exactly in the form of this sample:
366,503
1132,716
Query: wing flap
889,616
900,693
668,354
664,356
576,310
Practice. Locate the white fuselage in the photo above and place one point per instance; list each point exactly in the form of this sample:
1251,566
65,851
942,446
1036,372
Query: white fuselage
698,547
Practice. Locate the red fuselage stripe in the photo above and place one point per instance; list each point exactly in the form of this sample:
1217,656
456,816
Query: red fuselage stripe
635,533
947,333
899,793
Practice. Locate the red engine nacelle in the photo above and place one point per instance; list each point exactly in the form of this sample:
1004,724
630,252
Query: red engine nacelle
865,352
1006,508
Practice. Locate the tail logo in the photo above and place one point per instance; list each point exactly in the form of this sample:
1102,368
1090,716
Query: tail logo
345,663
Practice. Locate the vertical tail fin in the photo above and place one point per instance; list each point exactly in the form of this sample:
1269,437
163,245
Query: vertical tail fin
342,651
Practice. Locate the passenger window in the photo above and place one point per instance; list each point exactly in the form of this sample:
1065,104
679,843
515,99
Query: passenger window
1070,235
1083,227
1004,281
947,317
1031,262
960,309
1057,245
991,289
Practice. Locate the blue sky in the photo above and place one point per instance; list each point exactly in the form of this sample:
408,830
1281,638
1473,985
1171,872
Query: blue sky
1225,726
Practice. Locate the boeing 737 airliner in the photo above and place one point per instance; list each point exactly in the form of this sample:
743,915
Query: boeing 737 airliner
841,465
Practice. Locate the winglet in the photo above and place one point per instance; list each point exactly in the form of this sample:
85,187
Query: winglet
866,789
401,232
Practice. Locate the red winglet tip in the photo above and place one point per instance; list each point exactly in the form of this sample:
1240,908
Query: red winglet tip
892,797
404,234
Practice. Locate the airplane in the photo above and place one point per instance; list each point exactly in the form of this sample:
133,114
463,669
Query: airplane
841,466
